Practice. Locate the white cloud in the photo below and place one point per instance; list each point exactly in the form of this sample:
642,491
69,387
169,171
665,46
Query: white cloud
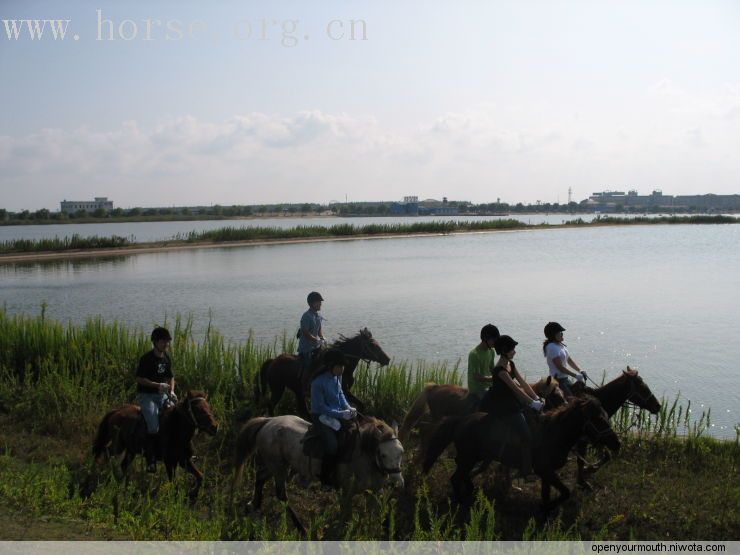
673,139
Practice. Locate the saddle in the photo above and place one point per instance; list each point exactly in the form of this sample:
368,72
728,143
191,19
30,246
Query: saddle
313,446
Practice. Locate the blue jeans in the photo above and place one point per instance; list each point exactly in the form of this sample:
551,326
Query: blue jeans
151,404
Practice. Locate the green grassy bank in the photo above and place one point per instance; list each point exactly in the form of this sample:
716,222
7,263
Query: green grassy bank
246,234
56,381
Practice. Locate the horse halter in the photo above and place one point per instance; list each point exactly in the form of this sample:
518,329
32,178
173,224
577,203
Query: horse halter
379,465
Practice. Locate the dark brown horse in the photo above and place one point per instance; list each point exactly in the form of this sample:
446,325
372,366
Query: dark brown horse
285,371
627,388
455,400
554,436
124,430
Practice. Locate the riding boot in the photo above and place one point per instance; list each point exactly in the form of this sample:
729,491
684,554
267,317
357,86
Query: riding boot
328,467
150,450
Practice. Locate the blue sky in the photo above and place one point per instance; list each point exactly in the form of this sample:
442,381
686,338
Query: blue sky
470,100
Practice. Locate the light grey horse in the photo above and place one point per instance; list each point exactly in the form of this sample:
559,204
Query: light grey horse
276,442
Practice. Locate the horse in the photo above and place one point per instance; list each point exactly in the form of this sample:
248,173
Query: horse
124,429
454,400
628,387
285,371
553,437
374,456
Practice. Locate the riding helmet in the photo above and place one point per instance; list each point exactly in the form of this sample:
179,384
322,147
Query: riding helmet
161,333
552,329
314,296
489,331
504,344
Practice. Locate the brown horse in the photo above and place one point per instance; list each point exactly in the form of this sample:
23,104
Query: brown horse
554,436
628,387
124,429
454,400
285,371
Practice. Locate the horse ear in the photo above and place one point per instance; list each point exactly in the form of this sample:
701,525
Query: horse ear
549,380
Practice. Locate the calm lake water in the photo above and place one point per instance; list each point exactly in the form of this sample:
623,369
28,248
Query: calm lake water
158,231
663,299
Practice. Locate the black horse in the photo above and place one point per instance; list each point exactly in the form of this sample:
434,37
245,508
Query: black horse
554,436
285,371
628,387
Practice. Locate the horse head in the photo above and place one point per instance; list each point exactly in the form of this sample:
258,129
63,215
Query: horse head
379,441
550,391
596,424
640,393
195,406
363,347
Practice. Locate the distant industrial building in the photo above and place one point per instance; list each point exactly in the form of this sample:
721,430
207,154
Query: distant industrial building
632,200
87,205
411,206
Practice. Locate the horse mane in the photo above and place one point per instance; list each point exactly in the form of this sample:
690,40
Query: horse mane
343,339
373,431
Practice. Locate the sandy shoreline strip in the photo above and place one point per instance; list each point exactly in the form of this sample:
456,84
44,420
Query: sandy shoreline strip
155,247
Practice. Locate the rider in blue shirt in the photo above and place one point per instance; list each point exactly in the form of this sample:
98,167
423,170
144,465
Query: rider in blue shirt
310,336
329,407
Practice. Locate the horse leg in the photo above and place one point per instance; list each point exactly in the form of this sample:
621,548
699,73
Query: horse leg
261,476
188,465
282,495
555,481
581,447
276,393
128,458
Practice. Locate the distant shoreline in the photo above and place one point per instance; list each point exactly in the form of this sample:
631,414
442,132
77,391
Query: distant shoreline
239,237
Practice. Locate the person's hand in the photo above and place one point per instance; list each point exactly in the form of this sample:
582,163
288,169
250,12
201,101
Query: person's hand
585,376
164,388
346,414
580,378
536,404
353,410
173,397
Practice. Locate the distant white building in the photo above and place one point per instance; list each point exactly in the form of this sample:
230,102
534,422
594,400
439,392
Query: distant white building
88,205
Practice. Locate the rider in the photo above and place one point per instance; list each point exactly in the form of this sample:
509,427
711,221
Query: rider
480,360
154,384
558,358
507,396
328,407
310,335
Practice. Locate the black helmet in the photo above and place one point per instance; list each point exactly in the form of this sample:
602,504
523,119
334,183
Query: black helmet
161,333
334,357
552,329
489,331
313,296
504,344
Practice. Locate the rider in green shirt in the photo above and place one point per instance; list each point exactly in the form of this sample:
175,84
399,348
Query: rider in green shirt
480,361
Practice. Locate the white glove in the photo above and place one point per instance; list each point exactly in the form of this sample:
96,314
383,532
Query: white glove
164,388
173,397
536,404
585,376
580,378
353,410
346,414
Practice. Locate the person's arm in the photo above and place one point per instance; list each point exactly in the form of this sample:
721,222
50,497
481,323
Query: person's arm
342,399
523,383
560,366
146,382
503,375
318,398
573,364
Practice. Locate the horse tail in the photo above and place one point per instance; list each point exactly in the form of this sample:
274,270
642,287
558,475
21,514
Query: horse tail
415,412
440,438
245,444
260,380
102,438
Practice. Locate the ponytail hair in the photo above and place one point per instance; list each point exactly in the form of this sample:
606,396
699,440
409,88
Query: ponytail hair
546,343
